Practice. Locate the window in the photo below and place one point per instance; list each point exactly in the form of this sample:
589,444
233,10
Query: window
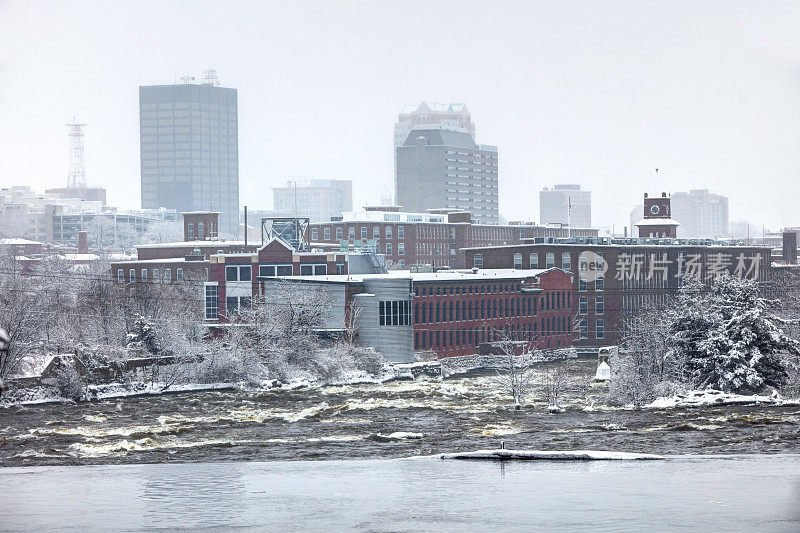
566,261
581,285
314,234
376,232
401,232
201,232
326,233
144,274
401,248
583,305
599,283
121,275
237,272
518,261
388,248
132,275
339,234
363,233
340,268
600,330
534,260
212,305
191,231
394,312
477,261
313,269
550,260
388,232
179,274
583,329
599,305
351,232
270,270
156,275
167,274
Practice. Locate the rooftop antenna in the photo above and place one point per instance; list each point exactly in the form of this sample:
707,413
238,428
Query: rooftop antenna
210,78
77,169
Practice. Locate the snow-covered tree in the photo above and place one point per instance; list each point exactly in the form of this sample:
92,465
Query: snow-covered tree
723,337
730,341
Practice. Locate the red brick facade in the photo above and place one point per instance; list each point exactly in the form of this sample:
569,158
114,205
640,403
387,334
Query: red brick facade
453,317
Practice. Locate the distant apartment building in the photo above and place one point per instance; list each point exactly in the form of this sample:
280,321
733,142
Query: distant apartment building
429,113
441,166
702,214
565,205
190,149
431,238
317,199
59,215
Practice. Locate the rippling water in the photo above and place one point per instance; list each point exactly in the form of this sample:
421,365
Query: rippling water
348,422
739,493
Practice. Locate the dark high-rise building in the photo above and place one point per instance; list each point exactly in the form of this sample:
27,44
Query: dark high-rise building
440,166
190,148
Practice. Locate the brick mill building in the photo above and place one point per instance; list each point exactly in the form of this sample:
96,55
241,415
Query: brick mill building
638,273
431,238
449,312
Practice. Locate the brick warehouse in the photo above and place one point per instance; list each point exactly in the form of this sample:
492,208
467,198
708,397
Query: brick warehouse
448,312
455,312
426,238
639,274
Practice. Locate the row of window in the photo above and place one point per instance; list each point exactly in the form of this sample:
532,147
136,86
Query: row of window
500,308
470,337
394,312
583,305
201,231
351,233
599,329
469,289
156,275
243,272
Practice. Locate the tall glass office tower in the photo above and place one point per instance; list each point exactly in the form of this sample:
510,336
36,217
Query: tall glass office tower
189,144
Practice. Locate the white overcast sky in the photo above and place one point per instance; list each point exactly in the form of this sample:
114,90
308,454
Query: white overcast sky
596,93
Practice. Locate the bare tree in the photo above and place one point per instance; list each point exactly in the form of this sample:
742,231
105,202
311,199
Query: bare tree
512,374
551,385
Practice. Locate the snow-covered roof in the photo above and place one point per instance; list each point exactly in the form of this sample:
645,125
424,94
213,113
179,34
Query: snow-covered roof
195,244
658,222
163,260
18,242
81,257
488,274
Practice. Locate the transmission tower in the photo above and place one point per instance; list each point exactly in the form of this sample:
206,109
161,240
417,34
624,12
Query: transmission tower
77,170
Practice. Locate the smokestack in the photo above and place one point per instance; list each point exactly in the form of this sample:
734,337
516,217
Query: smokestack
245,228
83,242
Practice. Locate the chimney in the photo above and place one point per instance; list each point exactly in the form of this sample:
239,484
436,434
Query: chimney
83,242
790,247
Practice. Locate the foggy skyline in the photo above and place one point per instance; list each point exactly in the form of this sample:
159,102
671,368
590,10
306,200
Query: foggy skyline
598,94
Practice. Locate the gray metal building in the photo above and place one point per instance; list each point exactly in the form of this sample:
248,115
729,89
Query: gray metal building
441,166
189,145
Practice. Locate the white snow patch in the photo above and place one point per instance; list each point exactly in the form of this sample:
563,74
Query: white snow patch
701,398
554,455
397,435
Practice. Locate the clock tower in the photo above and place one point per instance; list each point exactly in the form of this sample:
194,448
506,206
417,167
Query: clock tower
657,222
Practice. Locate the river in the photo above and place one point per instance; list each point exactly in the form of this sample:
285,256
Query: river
734,493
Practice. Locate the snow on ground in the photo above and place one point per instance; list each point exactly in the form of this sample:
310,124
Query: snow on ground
701,398
550,455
